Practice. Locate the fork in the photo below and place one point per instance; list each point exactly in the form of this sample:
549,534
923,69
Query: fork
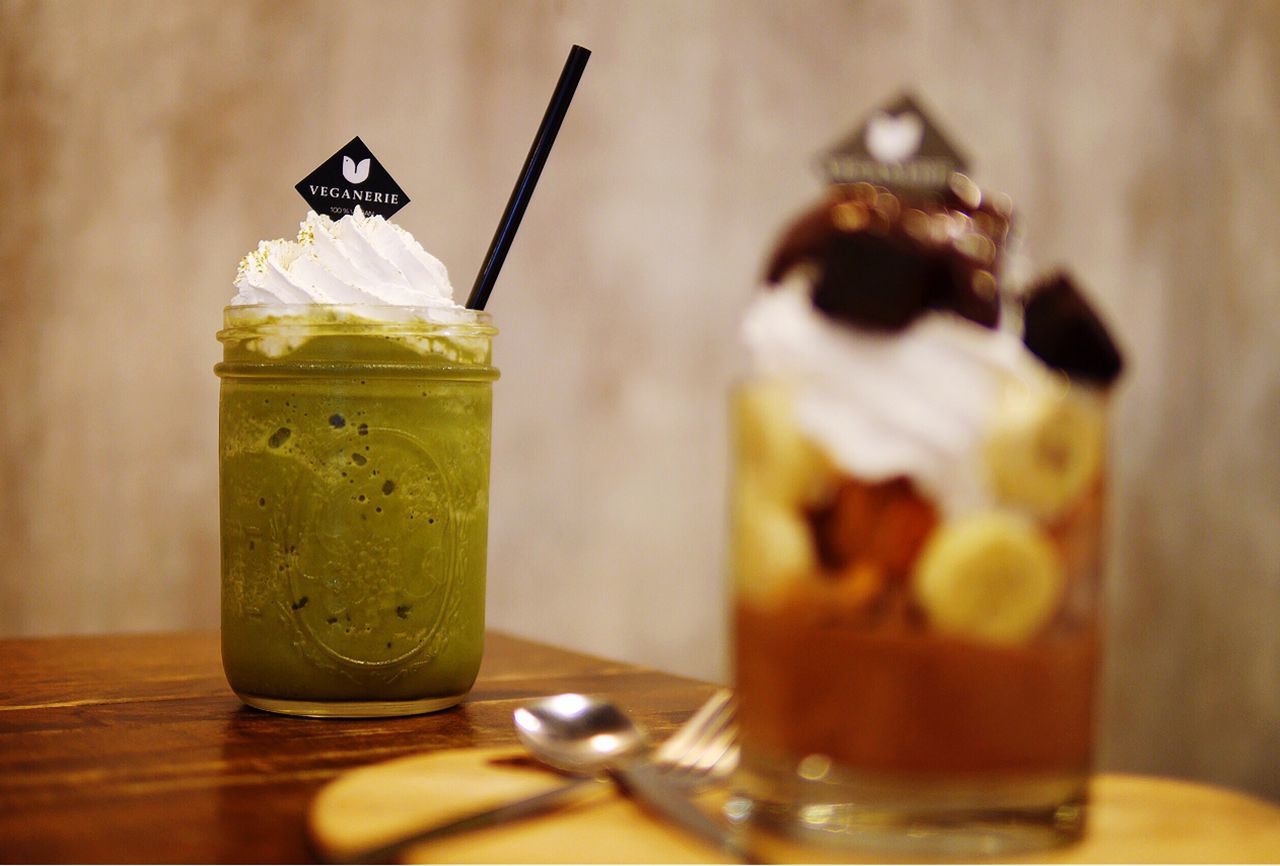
702,751
705,748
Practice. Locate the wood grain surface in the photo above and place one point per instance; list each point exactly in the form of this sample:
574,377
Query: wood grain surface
133,748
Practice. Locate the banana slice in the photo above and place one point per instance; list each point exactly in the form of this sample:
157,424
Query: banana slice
772,544
992,576
771,449
1045,446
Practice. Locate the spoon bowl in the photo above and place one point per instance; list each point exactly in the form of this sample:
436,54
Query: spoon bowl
578,734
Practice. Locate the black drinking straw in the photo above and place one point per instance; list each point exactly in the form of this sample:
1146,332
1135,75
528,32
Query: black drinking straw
533,164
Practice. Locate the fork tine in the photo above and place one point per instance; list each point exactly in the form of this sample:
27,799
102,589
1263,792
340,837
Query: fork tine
715,728
705,748
714,751
707,722
728,762
680,741
716,762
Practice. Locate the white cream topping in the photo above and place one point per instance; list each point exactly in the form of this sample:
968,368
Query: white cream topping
916,403
357,260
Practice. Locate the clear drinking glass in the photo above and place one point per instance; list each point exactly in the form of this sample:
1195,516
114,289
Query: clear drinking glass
865,720
354,480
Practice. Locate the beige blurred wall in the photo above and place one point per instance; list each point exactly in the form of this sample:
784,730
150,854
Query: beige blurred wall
144,147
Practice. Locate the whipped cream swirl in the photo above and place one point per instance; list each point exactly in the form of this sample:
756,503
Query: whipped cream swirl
358,260
916,403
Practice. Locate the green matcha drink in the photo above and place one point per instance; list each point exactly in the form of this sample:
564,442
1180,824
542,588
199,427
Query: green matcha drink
354,463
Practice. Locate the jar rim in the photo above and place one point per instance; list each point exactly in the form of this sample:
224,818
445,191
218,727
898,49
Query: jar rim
364,314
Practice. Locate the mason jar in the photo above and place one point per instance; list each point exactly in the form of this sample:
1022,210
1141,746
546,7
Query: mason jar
354,488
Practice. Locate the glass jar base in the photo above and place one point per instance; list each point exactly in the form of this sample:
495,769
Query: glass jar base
950,817
350,709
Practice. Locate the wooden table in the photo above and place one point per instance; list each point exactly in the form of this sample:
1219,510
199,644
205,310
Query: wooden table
133,748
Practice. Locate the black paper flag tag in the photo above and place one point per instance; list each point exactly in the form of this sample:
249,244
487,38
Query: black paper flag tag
898,146
352,178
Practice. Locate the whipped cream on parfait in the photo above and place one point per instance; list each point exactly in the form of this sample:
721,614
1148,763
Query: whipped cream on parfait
916,403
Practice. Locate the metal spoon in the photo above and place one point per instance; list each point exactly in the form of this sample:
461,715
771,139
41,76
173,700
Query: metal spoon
586,736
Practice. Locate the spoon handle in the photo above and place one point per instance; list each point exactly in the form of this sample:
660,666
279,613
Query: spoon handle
651,789
526,808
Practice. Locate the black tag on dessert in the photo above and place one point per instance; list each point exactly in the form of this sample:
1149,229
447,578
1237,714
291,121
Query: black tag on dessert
897,146
352,178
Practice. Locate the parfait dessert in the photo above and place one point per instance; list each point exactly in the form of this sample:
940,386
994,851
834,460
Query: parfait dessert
916,513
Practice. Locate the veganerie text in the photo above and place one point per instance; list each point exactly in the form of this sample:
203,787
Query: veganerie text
919,173
355,194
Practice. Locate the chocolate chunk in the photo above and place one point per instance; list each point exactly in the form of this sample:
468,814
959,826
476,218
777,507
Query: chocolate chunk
877,282
1063,331
803,240
880,261
970,293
